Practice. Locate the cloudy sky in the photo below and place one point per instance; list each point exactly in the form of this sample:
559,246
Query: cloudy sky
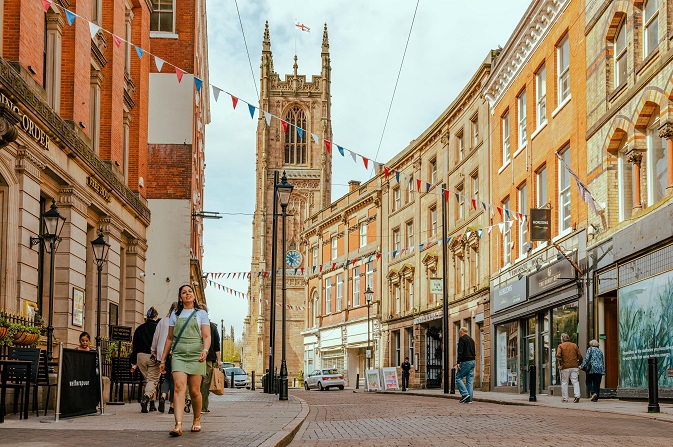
449,40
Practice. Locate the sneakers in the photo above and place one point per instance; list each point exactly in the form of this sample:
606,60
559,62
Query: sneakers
170,410
152,407
594,398
465,398
162,404
565,400
143,404
577,400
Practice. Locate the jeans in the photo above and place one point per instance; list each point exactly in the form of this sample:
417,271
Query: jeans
594,384
467,371
167,384
573,375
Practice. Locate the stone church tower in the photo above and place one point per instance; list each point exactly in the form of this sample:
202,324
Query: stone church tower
308,166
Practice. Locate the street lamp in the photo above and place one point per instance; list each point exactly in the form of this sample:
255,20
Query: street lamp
52,222
369,296
283,190
100,252
271,376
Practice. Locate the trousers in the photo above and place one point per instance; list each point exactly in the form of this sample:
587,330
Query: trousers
150,371
573,375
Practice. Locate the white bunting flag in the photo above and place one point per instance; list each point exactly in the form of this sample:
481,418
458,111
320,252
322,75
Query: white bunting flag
315,138
93,29
353,155
159,62
267,116
216,92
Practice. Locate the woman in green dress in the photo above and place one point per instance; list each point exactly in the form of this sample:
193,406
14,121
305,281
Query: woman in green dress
190,325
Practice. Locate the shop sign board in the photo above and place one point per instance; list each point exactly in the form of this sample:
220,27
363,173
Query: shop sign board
540,224
429,317
436,286
390,381
372,380
508,295
551,277
28,125
120,333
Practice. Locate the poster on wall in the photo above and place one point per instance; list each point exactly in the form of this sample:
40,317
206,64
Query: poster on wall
502,359
373,380
390,381
646,330
77,307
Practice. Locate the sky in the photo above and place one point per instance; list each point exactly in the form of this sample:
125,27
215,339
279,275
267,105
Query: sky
448,42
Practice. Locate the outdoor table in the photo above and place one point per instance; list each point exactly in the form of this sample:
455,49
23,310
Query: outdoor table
5,364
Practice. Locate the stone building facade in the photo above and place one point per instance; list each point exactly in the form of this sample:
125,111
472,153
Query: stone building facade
308,166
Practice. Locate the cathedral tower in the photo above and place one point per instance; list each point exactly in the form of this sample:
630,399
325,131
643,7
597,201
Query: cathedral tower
308,166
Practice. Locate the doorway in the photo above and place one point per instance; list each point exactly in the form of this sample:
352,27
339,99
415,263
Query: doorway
609,339
528,357
545,353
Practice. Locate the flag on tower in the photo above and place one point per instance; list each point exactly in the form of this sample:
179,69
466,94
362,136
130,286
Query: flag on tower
302,27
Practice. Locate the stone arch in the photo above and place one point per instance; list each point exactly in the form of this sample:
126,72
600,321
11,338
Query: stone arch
620,127
651,98
668,93
618,13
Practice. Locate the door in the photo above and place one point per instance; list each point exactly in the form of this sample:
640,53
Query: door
528,357
611,351
481,355
433,358
545,354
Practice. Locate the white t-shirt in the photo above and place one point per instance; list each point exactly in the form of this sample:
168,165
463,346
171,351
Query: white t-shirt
201,317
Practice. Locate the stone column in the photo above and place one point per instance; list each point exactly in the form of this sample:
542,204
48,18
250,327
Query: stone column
636,158
666,131
132,299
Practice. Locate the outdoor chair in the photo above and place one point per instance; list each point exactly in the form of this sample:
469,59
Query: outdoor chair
42,379
17,374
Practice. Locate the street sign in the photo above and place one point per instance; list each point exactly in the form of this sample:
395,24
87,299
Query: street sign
369,353
120,333
436,286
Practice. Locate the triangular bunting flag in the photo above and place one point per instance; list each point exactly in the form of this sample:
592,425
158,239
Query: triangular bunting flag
251,108
457,197
376,166
267,117
501,227
394,253
159,62
353,156
216,93
446,195
397,176
284,124
378,255
93,29
198,83
418,185
479,231
366,162
116,39
70,16
474,204
46,4
334,265
420,247
427,187
499,211
507,214
328,146
484,205
315,138
234,101
341,150
301,133
386,171
489,229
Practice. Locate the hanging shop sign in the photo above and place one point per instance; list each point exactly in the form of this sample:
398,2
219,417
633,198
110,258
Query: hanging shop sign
540,224
509,295
436,286
28,125
553,276
120,333
100,189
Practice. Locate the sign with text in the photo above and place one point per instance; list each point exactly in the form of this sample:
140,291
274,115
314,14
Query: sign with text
553,276
390,381
436,286
372,380
79,383
120,333
509,295
540,224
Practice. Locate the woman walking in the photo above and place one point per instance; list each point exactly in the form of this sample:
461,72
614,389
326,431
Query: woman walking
594,367
188,341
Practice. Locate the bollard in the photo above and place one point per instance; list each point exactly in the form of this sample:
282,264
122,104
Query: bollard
265,382
252,386
652,386
453,381
532,385
357,381
232,379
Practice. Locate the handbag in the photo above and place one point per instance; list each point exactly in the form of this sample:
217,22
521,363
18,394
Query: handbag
217,382
177,338
587,367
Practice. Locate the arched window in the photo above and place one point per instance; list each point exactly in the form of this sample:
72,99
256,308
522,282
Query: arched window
657,163
650,26
314,309
625,182
295,145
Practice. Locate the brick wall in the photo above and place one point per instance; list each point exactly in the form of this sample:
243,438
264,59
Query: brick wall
173,180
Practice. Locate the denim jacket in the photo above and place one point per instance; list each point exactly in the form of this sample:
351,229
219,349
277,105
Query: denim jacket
594,356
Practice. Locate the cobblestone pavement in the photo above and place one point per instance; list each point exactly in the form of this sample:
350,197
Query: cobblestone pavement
239,418
345,418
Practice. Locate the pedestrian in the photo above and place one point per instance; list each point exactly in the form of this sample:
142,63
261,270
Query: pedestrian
212,361
188,341
406,367
141,356
158,342
84,341
465,366
569,358
594,367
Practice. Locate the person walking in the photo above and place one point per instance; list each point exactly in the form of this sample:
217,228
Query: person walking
406,367
465,365
569,358
188,341
141,355
158,342
212,361
594,367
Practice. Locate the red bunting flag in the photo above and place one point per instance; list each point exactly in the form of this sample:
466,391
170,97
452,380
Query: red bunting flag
179,73
333,265
418,185
366,162
446,195
499,211
117,40
458,238
46,4
328,146
234,101
378,255
474,204
386,169
320,268
284,123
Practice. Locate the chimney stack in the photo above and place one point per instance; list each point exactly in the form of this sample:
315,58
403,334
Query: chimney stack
353,185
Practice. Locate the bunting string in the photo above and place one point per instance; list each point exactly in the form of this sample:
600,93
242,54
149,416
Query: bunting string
246,296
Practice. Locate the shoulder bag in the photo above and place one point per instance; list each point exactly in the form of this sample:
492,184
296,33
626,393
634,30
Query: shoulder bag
177,338
587,367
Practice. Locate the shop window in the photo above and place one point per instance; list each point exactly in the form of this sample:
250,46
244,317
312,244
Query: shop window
410,339
565,319
507,347
113,315
398,348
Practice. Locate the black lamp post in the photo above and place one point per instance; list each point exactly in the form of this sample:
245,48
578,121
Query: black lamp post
271,376
100,252
284,190
52,222
369,296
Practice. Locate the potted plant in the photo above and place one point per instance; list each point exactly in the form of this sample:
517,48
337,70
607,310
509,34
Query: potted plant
25,335
4,328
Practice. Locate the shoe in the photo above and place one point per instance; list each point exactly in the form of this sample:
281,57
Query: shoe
171,411
577,400
205,411
594,398
196,427
565,400
162,404
152,407
143,404
188,403
469,401
177,431
465,398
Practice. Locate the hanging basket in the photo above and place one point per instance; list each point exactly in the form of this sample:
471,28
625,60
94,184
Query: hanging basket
3,332
25,339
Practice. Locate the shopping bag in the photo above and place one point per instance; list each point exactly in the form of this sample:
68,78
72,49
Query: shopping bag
217,382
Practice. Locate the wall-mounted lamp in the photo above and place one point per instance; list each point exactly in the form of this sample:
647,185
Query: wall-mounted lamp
82,125
117,163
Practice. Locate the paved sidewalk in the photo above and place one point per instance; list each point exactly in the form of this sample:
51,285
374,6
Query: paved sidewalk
238,418
614,406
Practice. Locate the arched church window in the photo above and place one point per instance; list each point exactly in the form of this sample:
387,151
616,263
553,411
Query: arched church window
295,145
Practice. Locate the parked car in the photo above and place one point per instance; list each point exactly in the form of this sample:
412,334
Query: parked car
241,379
324,379
226,365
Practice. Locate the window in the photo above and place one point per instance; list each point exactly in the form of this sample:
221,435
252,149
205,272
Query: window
459,263
460,145
523,228
315,312
507,238
161,19
521,100
335,251
410,338
657,164
410,189
328,296
363,234
127,36
461,201
397,199
475,187
475,130
564,192
563,63
410,295
356,286
295,146
541,90
505,138
625,184
397,348
620,55
433,171
339,291
474,267
650,26
410,234
369,276
396,239
314,255
541,179
433,221
397,298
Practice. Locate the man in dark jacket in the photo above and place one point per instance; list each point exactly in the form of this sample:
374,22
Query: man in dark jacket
406,367
141,355
465,365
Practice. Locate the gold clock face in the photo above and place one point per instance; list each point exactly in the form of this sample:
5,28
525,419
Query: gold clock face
293,258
